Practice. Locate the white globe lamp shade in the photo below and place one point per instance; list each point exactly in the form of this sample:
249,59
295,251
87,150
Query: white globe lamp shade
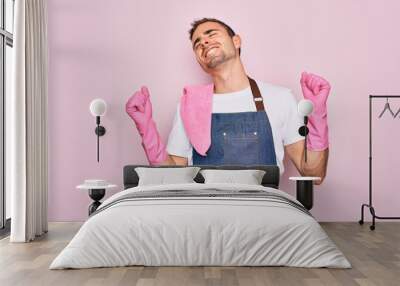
305,107
98,107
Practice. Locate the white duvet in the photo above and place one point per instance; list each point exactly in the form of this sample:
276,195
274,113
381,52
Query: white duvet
200,231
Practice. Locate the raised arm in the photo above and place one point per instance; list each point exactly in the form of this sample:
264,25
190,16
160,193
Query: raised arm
139,108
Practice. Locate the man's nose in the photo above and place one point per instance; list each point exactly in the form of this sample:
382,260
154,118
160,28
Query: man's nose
205,42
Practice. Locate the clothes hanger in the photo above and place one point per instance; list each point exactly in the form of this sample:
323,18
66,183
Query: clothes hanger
398,111
387,107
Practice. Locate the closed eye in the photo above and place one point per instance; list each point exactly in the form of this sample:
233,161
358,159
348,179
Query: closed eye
210,35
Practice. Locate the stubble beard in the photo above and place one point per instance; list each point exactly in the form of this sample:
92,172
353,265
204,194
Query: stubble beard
218,60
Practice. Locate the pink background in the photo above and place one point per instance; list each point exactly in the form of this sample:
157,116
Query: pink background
108,49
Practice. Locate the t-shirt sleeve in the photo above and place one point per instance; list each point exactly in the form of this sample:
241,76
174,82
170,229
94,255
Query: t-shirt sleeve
178,141
293,122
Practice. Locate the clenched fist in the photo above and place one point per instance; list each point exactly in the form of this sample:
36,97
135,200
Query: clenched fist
139,109
316,89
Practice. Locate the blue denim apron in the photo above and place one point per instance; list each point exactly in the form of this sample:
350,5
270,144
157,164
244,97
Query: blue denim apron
242,138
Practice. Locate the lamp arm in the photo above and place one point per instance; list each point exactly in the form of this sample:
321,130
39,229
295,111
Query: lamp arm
305,138
98,145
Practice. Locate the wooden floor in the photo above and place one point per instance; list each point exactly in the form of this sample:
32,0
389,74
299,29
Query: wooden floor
374,255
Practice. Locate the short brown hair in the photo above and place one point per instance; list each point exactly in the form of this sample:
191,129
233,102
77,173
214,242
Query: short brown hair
197,23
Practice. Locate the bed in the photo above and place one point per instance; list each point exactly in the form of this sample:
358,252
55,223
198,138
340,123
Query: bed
201,224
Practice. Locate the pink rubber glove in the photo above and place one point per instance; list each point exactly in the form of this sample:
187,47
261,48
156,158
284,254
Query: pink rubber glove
139,109
316,89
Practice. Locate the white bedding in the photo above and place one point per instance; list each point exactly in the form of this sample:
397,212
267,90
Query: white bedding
200,231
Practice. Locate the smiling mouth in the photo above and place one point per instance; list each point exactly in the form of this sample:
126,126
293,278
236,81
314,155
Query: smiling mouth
208,50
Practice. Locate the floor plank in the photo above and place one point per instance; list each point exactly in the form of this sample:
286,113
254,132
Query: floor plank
374,255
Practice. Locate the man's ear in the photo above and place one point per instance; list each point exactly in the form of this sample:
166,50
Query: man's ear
237,41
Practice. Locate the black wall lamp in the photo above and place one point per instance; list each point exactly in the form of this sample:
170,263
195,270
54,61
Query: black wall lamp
98,108
305,108
304,185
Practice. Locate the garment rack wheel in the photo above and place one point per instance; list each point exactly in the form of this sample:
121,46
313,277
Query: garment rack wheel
371,227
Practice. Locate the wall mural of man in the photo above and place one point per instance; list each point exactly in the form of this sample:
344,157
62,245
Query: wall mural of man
235,119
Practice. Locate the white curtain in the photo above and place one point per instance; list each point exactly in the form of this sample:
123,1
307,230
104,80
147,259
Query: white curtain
26,122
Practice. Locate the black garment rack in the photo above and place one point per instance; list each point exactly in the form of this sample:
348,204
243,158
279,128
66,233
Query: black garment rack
369,205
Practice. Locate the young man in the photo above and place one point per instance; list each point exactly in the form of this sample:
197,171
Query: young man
235,120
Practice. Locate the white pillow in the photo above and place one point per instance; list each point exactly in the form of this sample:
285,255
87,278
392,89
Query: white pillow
162,176
249,177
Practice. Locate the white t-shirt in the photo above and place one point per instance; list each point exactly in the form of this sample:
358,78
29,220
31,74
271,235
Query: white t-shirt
281,108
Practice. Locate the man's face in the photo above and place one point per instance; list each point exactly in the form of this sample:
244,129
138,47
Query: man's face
213,45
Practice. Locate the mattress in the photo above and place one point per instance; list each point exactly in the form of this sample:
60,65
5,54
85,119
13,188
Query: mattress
201,225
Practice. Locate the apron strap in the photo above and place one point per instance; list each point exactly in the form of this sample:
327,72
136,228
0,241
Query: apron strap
258,100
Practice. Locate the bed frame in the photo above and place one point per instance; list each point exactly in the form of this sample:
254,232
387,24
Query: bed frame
270,179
